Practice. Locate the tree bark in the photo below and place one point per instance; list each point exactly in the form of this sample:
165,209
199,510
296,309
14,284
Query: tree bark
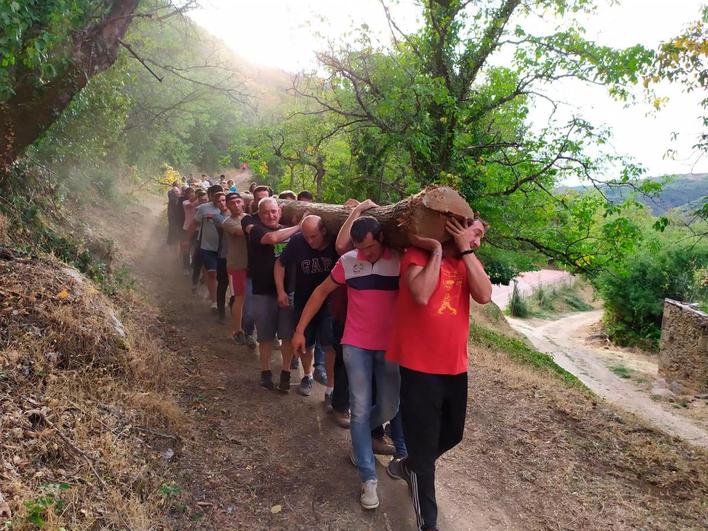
32,110
424,214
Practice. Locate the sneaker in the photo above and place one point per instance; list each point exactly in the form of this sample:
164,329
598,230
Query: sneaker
305,388
328,402
382,446
369,499
294,363
239,338
251,342
214,306
341,418
267,380
194,290
284,385
397,469
320,375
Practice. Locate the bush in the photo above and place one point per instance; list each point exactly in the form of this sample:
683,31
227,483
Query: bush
517,305
665,265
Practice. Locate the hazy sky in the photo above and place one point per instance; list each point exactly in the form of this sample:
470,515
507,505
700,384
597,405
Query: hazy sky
285,34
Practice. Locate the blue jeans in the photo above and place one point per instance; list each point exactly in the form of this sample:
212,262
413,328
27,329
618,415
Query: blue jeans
319,355
361,366
397,436
247,322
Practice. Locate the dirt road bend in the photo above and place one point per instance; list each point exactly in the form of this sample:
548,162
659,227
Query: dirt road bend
564,340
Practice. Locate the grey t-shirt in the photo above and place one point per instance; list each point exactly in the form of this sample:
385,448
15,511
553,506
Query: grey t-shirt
205,216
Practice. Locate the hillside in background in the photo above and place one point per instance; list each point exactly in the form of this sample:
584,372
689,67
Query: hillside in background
686,190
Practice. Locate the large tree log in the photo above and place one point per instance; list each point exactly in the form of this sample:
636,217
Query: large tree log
424,214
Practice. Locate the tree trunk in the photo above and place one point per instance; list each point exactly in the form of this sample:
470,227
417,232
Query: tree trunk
424,214
32,110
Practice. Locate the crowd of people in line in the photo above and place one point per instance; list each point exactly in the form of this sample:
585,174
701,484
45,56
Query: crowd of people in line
385,332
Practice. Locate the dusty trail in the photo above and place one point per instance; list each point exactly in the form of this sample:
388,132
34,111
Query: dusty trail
535,454
254,449
563,339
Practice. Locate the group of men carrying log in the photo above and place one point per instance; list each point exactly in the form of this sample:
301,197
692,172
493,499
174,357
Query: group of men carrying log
393,322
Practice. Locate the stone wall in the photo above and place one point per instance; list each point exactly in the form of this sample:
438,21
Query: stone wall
683,354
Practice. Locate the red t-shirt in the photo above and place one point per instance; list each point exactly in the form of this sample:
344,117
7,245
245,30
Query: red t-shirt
432,338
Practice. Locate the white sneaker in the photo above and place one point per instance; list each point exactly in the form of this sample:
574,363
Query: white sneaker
214,306
369,499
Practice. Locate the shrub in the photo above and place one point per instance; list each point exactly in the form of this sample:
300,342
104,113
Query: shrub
517,305
664,265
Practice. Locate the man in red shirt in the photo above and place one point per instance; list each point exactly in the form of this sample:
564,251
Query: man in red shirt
429,342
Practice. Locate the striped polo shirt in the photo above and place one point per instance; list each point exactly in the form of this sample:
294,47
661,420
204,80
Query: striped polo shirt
372,290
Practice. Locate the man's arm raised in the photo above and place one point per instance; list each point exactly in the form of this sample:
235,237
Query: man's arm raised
477,279
344,241
279,236
422,280
314,303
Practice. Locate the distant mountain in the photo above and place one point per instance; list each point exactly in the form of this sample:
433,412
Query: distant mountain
684,191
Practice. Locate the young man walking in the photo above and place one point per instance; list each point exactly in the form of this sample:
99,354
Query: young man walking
236,263
370,272
206,220
429,342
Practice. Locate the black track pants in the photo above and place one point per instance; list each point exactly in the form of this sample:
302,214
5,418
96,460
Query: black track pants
222,284
433,408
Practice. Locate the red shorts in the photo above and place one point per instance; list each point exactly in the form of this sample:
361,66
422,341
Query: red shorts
238,281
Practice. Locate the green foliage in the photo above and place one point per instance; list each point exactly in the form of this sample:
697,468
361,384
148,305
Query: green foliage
34,209
517,305
621,371
666,264
548,301
436,107
37,508
33,34
170,490
684,59
517,350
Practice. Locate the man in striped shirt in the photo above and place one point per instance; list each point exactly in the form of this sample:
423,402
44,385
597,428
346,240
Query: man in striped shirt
370,272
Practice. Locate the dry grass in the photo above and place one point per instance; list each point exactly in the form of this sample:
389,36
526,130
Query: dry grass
558,457
81,380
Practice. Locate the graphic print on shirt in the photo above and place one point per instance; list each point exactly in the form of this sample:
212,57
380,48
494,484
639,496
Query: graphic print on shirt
451,280
316,265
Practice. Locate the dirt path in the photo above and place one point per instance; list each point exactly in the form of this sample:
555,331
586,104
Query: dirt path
527,283
564,340
263,460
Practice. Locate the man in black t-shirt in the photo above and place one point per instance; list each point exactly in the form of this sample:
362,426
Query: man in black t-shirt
247,322
265,241
312,256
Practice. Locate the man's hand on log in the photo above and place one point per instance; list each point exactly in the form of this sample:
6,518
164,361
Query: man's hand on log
366,205
350,203
428,244
459,233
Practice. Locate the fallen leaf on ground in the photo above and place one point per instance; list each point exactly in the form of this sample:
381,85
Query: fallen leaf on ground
276,509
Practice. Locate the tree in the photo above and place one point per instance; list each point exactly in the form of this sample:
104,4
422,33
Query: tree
50,49
442,101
